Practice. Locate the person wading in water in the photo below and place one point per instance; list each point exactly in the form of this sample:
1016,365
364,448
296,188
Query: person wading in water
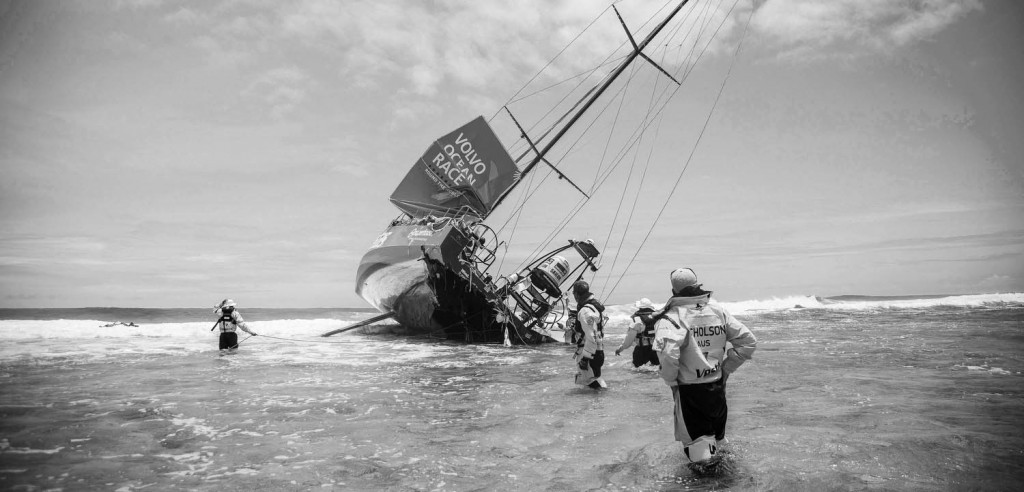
229,321
589,325
641,332
690,338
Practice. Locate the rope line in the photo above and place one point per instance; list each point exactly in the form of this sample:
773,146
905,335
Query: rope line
301,340
529,193
693,150
639,132
633,141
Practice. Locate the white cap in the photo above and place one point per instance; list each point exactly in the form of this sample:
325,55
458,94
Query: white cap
643,303
227,303
682,278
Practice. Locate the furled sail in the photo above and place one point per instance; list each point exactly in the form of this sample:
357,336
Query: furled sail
465,171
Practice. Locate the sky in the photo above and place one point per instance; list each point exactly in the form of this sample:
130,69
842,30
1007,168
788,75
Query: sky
172,154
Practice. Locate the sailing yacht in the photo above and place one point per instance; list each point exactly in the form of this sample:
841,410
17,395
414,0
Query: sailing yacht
433,269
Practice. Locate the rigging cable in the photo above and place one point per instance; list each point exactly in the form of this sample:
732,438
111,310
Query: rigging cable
636,196
572,212
552,60
645,23
530,192
637,134
647,164
633,141
587,72
693,150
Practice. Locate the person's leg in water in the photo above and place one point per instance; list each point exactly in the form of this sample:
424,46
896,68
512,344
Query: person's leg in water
639,356
595,364
228,342
644,354
653,357
700,412
704,409
721,418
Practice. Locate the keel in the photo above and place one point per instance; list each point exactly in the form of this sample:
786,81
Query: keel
360,324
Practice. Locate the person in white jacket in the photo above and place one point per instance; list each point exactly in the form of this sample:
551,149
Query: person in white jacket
690,338
589,356
228,320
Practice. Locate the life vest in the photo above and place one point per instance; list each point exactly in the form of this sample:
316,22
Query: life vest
646,316
576,333
227,320
578,326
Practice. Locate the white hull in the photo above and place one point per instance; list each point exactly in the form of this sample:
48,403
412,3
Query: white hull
401,288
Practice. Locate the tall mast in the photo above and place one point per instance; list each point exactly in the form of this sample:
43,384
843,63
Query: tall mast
593,97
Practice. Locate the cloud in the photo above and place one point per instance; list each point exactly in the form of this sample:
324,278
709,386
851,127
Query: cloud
185,16
42,251
999,283
473,44
281,89
137,4
842,27
412,50
213,258
231,38
220,54
119,43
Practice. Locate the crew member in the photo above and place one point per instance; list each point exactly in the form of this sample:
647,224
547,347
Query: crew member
589,354
641,332
690,338
229,321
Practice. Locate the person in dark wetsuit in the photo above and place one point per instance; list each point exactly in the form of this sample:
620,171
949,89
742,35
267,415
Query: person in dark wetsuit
229,321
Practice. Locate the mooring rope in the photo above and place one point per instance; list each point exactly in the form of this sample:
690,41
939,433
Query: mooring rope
301,340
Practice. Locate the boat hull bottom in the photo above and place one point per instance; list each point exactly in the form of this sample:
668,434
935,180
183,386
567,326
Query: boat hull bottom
402,289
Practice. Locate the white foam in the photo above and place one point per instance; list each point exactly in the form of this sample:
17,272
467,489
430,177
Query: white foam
789,303
14,450
773,304
60,341
68,328
51,341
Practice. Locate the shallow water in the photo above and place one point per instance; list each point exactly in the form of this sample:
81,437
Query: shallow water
889,399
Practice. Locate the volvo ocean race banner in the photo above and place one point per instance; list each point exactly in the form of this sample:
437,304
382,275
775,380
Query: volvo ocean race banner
468,167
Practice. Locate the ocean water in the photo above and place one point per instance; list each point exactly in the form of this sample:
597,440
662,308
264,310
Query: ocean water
849,393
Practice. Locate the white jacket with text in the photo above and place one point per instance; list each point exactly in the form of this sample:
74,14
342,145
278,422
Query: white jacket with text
695,352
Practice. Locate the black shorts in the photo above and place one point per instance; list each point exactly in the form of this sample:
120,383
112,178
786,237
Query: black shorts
228,340
643,354
596,362
702,409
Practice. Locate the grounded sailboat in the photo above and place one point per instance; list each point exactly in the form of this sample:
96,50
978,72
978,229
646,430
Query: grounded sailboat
430,268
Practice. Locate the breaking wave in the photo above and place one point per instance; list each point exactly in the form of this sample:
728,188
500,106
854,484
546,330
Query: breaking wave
854,303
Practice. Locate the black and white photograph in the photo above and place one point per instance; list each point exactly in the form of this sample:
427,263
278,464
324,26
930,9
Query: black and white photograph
525,245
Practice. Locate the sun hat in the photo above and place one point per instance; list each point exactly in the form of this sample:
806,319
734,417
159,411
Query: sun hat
227,303
643,303
682,278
